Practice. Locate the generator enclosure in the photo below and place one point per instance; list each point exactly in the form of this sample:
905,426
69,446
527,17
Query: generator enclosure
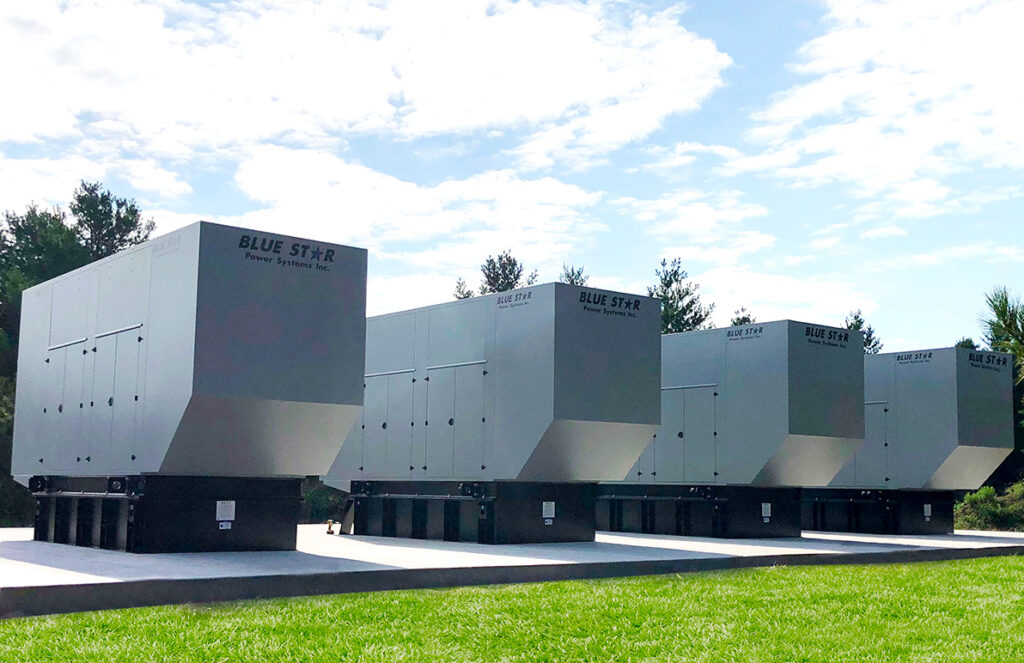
749,415
768,404
549,383
935,420
485,418
211,351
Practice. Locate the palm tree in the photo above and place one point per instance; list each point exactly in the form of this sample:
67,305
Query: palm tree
1003,329
1004,325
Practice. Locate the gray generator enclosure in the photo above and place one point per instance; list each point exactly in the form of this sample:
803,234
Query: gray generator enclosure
551,383
212,351
936,420
768,404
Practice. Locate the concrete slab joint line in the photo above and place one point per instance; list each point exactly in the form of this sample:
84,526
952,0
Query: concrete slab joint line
39,578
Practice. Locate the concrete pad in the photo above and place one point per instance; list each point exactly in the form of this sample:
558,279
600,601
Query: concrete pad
42,578
960,539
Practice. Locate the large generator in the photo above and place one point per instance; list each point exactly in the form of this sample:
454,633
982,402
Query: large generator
488,419
171,397
749,414
936,421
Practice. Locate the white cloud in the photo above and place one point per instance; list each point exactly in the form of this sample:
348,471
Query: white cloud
43,181
821,298
830,229
387,294
425,229
618,284
987,251
50,181
181,80
147,175
691,213
823,243
902,96
168,220
882,232
656,68
728,252
685,154
795,261
708,223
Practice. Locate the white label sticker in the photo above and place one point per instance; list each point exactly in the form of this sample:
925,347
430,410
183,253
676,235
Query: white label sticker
225,524
225,510
927,510
766,509
548,510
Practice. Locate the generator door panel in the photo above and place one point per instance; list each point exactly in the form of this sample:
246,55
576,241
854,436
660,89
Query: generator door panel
375,420
440,422
469,420
400,424
699,433
670,445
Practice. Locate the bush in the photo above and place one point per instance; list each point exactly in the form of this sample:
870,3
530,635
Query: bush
322,502
987,510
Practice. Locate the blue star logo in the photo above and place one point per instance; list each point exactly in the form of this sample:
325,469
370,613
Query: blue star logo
315,255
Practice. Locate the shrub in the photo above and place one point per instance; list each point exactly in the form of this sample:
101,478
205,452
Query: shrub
322,502
987,510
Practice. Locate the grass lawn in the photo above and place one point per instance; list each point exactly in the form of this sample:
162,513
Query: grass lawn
944,611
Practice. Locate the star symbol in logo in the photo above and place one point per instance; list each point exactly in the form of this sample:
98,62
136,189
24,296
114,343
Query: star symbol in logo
315,255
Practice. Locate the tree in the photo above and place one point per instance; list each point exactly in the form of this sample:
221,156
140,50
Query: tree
967,342
681,309
573,275
1004,325
40,244
105,223
504,273
742,317
855,322
1003,331
499,274
461,291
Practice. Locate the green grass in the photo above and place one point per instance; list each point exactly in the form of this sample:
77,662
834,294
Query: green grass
966,610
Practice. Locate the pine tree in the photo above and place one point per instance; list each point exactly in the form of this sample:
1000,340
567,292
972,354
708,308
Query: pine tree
855,322
742,317
681,309
105,223
573,275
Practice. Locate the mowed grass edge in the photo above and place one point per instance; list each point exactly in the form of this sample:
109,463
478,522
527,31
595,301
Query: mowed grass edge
971,610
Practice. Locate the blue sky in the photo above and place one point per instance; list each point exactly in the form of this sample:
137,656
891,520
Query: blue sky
802,158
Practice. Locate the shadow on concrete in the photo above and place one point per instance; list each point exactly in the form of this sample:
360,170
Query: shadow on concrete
589,551
116,565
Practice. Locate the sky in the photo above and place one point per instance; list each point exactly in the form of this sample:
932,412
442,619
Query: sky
802,158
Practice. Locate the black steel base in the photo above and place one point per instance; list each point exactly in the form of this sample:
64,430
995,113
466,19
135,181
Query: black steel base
481,512
157,514
731,512
878,511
